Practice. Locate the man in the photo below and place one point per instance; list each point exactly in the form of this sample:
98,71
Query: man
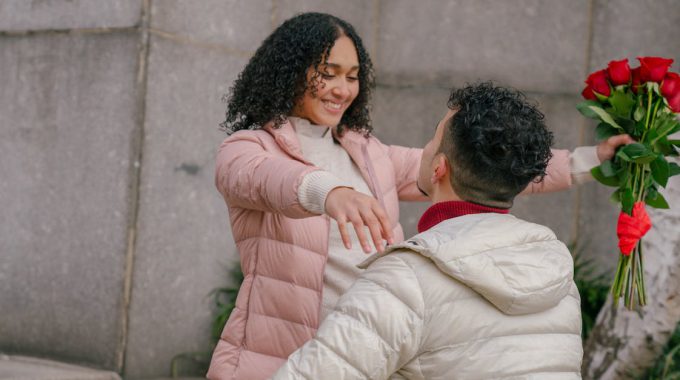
478,293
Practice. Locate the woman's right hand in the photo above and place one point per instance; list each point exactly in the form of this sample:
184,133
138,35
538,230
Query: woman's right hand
347,205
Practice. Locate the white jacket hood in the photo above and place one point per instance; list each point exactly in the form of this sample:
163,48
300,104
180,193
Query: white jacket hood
519,267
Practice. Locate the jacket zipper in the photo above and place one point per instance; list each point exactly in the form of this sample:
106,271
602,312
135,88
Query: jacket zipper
372,176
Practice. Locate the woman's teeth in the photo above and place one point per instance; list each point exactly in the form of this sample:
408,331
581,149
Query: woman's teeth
335,106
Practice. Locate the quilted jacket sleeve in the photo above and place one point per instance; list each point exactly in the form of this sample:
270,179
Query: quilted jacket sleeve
249,176
406,162
373,331
566,168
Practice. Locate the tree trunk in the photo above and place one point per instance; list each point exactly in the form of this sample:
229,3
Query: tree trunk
624,344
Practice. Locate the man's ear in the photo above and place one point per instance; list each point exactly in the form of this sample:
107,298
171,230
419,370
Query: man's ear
440,168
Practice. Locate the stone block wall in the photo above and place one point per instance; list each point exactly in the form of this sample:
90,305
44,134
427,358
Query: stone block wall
112,232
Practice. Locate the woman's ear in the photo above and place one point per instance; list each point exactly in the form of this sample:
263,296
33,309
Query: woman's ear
440,168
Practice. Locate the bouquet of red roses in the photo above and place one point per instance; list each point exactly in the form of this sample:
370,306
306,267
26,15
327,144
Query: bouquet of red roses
642,102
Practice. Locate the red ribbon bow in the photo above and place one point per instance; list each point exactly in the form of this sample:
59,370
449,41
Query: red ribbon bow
631,229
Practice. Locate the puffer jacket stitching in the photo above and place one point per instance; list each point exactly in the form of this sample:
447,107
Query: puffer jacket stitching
484,251
330,349
282,319
378,366
421,316
288,282
242,344
372,331
394,295
281,242
417,323
477,340
264,354
554,284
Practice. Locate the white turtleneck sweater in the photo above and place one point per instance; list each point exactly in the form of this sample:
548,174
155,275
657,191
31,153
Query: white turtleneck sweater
319,148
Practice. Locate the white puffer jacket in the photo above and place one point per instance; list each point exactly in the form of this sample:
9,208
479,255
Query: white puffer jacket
483,296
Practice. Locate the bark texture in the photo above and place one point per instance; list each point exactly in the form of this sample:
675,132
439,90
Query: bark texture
624,344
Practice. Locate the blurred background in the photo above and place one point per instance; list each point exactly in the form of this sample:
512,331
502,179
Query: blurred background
113,235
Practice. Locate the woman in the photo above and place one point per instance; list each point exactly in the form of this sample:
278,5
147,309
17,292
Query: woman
300,165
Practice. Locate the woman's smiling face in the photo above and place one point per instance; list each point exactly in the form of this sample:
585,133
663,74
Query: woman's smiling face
337,86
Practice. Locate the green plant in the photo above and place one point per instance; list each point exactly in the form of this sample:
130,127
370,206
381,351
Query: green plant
225,301
196,363
667,367
593,287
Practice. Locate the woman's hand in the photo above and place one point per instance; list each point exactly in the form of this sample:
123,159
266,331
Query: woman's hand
346,205
607,148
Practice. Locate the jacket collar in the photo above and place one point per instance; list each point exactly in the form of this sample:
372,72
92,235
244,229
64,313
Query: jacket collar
519,267
286,137
354,143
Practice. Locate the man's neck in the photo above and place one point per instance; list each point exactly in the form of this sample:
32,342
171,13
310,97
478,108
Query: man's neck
443,193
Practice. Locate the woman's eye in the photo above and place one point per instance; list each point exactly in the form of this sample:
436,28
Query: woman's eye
352,79
327,76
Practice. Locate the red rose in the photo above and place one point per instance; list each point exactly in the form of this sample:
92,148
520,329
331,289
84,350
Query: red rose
637,80
597,82
654,68
619,72
588,93
671,85
674,103
630,229
670,89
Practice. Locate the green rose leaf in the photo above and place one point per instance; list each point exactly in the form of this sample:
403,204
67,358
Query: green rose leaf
605,131
605,117
586,108
660,170
616,196
636,152
603,179
667,127
622,103
657,201
607,169
663,146
623,176
673,169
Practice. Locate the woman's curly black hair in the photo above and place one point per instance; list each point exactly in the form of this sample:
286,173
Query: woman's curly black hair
499,142
275,78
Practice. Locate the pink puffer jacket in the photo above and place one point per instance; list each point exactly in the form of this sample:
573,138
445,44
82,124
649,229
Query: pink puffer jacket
283,247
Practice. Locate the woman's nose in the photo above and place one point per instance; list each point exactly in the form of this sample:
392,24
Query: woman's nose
341,89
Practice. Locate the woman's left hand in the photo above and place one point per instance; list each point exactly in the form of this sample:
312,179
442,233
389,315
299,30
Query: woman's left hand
607,148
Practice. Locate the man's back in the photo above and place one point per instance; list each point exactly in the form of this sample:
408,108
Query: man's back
483,296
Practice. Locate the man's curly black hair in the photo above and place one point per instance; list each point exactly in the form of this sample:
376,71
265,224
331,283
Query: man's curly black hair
275,78
497,143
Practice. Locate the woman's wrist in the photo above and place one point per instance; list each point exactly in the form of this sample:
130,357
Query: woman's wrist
314,189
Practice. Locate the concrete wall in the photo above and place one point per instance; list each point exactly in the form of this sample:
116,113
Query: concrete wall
112,232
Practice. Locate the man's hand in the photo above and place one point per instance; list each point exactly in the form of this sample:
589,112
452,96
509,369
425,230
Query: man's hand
607,148
346,205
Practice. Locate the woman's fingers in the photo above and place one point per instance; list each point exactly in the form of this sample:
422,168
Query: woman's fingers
374,227
344,234
358,224
385,224
346,205
607,148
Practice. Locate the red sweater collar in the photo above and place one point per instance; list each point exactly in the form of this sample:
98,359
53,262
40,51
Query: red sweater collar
441,211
